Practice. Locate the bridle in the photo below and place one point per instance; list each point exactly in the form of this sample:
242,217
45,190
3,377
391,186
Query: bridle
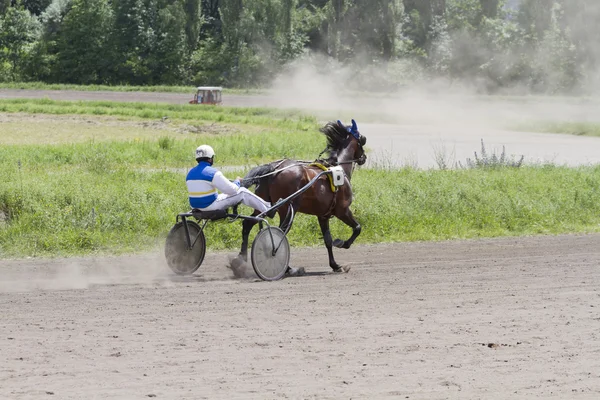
360,160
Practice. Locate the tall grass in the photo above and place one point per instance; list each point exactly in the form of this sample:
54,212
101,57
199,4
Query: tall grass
116,88
565,127
293,119
112,197
80,209
240,149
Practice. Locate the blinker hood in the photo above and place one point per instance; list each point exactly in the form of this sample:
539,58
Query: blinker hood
353,130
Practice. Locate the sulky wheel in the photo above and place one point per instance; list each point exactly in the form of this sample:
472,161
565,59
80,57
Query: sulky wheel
181,259
269,266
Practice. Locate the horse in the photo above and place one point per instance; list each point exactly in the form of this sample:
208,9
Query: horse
280,179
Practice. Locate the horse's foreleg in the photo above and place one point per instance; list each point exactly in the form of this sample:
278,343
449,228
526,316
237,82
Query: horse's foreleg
324,224
349,220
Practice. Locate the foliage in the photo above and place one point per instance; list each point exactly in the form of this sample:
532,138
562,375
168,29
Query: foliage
35,7
493,161
544,46
84,53
18,32
440,55
131,38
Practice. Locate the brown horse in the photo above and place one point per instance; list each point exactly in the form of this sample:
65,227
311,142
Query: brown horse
280,179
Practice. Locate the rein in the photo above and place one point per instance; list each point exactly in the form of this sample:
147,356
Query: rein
300,163
272,173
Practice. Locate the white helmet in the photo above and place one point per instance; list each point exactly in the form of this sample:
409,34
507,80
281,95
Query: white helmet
204,151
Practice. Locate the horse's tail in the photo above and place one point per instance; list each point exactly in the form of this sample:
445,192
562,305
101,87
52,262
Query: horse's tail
256,176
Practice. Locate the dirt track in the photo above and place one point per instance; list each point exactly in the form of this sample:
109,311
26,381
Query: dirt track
508,318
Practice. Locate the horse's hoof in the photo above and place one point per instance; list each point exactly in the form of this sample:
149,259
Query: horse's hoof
237,266
339,243
296,271
339,270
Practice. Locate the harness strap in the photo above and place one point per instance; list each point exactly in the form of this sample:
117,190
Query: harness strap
324,168
334,189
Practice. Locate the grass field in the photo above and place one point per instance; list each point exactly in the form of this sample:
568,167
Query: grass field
570,128
118,88
119,185
159,111
109,178
71,210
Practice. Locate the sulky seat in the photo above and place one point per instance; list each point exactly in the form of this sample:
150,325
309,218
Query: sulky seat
213,215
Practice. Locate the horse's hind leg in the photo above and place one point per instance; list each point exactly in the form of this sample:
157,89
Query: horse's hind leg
247,226
349,220
324,224
286,218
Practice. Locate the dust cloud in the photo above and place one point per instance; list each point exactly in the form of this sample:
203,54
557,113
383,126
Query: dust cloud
142,270
418,124
81,273
319,84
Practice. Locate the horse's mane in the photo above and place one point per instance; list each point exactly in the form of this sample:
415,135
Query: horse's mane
335,134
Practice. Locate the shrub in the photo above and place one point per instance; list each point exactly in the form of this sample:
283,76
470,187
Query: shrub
492,161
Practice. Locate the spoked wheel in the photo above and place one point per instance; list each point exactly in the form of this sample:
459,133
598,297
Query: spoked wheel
270,254
181,259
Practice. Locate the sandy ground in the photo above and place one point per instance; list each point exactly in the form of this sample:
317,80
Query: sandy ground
493,319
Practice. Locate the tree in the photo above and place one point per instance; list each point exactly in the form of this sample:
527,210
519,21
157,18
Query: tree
580,22
231,16
464,16
4,5
52,18
35,7
336,27
211,19
421,14
84,55
129,41
489,8
535,17
193,19
41,65
18,31
167,44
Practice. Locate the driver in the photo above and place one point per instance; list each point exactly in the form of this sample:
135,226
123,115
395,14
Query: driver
204,180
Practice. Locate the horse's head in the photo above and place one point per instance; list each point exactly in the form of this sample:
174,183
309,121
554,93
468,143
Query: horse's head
345,144
358,141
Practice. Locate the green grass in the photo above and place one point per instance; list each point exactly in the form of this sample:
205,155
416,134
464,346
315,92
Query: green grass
121,195
165,151
116,88
436,205
570,128
20,129
156,111
102,207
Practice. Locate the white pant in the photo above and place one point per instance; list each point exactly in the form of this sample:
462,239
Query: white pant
224,201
